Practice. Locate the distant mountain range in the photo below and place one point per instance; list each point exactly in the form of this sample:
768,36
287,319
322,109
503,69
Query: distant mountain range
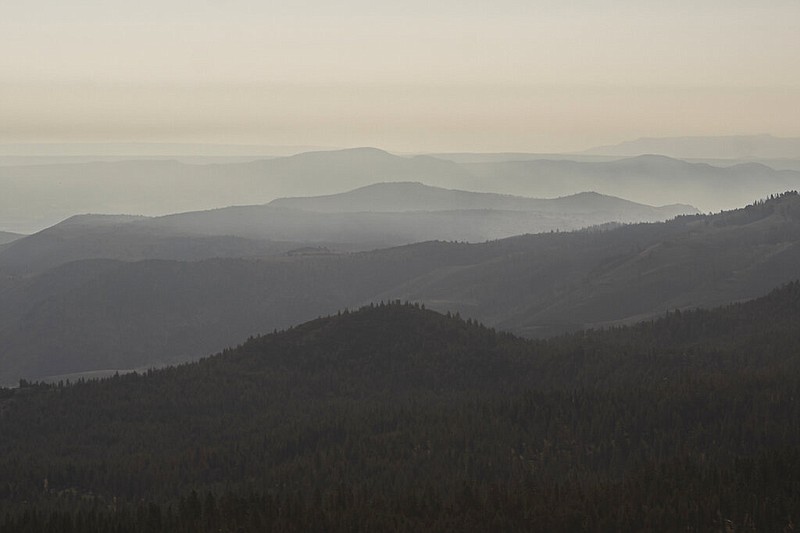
410,196
38,196
376,216
105,314
650,179
33,197
720,147
148,150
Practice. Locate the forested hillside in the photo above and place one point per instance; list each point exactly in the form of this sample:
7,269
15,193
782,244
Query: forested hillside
100,315
394,417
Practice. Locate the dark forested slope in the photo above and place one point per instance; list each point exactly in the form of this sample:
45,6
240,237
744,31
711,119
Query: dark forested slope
397,418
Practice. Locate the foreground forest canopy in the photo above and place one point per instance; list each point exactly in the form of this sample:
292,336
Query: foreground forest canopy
394,417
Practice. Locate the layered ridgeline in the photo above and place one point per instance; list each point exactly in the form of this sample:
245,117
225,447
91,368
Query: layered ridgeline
7,237
651,179
376,216
104,314
574,211
720,147
33,197
394,418
41,195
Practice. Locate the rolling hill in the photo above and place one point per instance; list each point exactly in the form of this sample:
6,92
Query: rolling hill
125,238
650,179
409,196
38,196
377,216
33,197
100,314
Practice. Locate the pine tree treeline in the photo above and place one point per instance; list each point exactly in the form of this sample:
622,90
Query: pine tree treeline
394,417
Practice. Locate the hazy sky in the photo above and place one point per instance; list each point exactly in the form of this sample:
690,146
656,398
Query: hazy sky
408,76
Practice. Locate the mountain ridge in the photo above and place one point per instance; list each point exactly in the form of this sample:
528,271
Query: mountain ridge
417,196
649,179
40,196
370,217
7,237
155,311
730,146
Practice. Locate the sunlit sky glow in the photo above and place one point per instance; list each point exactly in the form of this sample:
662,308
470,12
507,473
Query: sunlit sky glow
406,76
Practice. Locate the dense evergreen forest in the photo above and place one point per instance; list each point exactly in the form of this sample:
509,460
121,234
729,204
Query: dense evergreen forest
394,417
